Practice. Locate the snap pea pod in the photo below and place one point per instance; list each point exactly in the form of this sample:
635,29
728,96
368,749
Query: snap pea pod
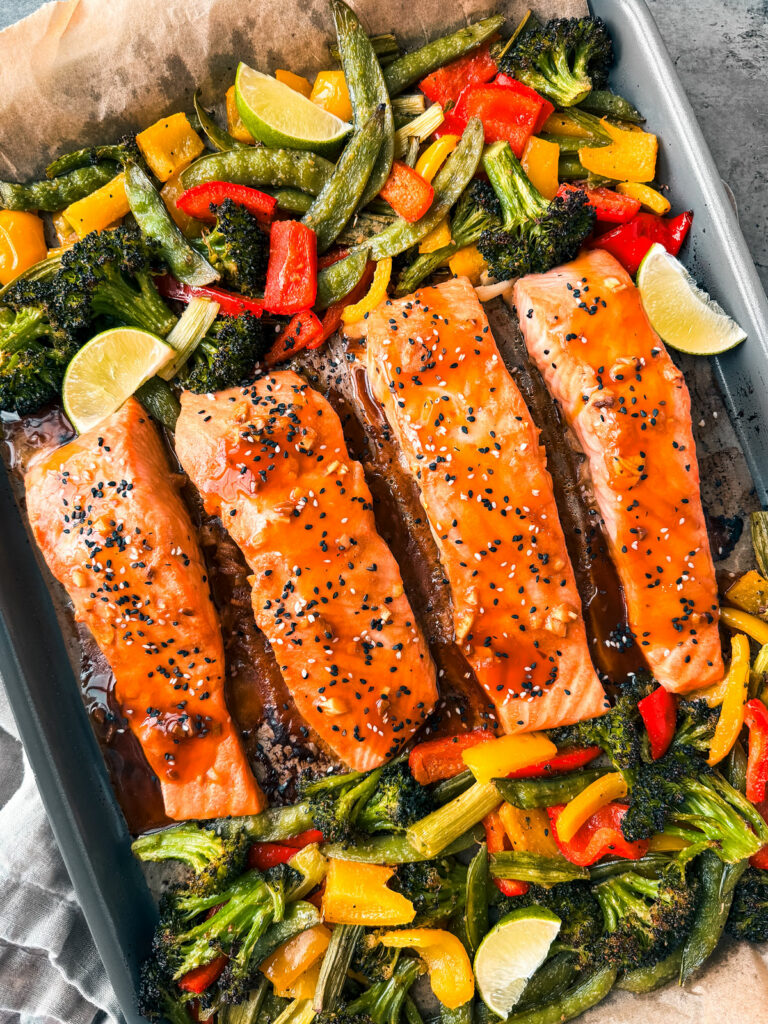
570,168
533,867
54,195
605,103
476,903
451,180
718,881
548,790
364,225
459,1015
291,199
573,1002
412,1015
449,789
160,402
338,280
648,979
551,980
384,46
736,767
186,264
573,143
117,153
412,67
220,138
336,203
367,91
258,165
649,866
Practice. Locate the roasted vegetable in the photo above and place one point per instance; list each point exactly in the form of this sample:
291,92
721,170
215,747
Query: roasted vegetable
238,248
227,354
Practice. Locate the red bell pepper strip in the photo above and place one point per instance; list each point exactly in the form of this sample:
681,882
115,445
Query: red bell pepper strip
565,761
292,268
409,195
229,303
304,329
200,978
434,760
495,840
659,713
507,114
198,200
266,855
446,84
451,125
522,89
599,836
609,206
631,241
757,763
303,839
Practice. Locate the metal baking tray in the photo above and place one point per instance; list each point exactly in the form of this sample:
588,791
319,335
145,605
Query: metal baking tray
43,691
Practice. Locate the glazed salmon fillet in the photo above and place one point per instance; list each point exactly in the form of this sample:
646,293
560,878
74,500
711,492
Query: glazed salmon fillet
271,461
117,536
628,404
470,444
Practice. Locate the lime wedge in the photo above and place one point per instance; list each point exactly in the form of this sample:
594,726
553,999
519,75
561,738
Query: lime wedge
279,116
106,372
511,953
681,313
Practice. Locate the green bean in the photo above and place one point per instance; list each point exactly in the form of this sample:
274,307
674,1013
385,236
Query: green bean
272,825
151,215
160,402
258,165
549,789
649,866
220,138
573,1002
338,280
393,849
476,904
384,46
298,917
336,203
573,143
551,980
54,195
451,180
118,153
449,789
291,199
412,67
648,979
533,867
718,882
605,103
367,90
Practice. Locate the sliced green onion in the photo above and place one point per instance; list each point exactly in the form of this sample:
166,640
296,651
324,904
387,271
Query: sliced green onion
410,105
420,127
333,969
187,333
300,1011
432,834
247,1012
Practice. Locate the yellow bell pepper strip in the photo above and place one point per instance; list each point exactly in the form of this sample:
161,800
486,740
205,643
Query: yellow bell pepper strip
561,123
735,618
648,197
331,93
376,294
731,719
296,956
22,243
437,238
450,972
468,262
235,125
434,156
100,209
662,843
170,192
357,893
304,986
169,145
296,82
631,156
529,831
540,160
750,593
299,1011
601,792
507,754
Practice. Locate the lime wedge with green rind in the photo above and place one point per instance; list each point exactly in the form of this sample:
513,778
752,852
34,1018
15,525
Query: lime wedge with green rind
511,953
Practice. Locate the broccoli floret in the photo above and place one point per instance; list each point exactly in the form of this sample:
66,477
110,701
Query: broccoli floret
227,354
748,918
437,888
397,801
537,234
214,859
645,918
563,60
238,248
574,903
159,999
696,722
382,1002
109,273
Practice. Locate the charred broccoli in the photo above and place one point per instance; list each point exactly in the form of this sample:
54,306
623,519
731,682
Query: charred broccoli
214,859
536,234
563,60
437,888
574,903
238,248
159,998
696,722
227,355
748,918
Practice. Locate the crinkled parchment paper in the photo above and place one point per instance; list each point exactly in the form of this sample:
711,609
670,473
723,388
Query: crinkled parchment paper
79,72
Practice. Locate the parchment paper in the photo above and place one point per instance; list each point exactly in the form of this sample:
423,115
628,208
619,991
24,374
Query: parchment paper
79,72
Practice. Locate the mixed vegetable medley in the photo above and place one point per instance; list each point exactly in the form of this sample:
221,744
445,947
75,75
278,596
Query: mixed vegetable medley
519,877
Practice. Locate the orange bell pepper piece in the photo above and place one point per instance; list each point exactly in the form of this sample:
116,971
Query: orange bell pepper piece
631,156
296,956
357,893
540,159
409,195
529,830
450,972
169,145
235,125
296,82
331,93
22,243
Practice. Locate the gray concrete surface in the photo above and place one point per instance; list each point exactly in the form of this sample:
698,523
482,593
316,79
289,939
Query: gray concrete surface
720,49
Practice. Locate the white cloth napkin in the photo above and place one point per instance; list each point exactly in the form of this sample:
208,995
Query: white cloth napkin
49,968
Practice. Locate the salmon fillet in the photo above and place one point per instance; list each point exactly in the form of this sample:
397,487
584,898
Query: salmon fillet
585,327
470,444
118,537
271,461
